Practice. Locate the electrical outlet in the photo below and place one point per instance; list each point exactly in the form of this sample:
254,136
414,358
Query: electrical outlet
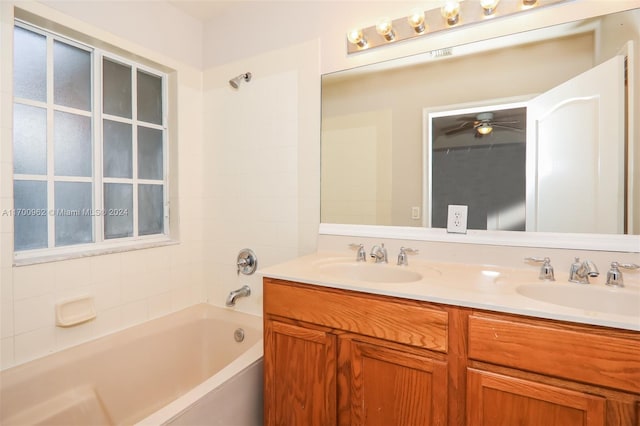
415,212
457,219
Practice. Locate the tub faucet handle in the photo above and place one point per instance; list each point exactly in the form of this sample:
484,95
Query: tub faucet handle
614,276
247,262
361,255
546,270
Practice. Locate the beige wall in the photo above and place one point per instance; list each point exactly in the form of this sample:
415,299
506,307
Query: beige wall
356,167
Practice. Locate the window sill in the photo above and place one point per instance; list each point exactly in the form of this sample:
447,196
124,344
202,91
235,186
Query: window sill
93,251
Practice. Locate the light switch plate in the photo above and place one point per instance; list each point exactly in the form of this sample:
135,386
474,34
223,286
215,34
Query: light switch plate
457,219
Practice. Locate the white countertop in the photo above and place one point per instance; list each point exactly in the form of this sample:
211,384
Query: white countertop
475,286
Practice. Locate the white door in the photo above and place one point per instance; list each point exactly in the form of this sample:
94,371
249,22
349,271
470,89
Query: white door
575,154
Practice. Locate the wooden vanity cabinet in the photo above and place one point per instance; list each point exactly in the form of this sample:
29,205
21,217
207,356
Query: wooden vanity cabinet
502,400
348,358
300,375
529,372
389,386
338,357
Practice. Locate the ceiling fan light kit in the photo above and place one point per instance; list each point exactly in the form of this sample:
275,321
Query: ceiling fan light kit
483,124
484,129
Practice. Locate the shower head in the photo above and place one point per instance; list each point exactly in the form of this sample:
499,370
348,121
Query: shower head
235,82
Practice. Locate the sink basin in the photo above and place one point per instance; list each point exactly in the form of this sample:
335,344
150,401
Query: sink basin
369,272
586,297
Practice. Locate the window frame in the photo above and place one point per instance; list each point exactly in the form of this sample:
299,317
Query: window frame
99,243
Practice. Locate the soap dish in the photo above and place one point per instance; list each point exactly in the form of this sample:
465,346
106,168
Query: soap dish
75,311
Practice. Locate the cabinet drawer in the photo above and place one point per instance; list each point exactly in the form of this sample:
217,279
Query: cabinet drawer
575,353
406,322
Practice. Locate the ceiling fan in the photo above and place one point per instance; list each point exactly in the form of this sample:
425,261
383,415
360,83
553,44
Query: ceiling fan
482,124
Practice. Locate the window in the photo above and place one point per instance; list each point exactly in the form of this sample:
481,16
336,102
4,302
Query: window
90,147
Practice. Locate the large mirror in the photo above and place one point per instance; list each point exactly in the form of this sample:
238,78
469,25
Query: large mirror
402,140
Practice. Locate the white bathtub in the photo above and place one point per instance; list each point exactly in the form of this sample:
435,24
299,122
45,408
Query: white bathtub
184,368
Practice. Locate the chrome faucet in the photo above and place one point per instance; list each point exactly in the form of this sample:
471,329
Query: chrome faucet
361,255
243,291
546,270
614,276
402,256
379,253
581,271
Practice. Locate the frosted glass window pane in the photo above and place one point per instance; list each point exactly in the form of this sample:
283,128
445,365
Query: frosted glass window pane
29,65
71,76
73,218
30,219
149,153
118,204
29,140
150,209
118,150
117,89
149,98
72,144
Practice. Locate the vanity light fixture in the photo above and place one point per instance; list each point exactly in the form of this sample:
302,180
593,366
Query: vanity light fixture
489,6
451,12
385,29
416,21
356,37
420,23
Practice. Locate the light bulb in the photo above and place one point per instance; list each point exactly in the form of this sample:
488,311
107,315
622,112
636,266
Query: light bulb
451,12
416,21
484,129
356,37
385,29
489,6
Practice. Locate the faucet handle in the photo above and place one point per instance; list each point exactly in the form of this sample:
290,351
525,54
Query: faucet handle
627,265
361,255
247,262
614,276
402,256
546,270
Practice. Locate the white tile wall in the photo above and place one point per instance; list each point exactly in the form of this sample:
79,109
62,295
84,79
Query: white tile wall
252,167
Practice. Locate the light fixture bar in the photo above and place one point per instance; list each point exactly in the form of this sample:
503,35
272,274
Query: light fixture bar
471,12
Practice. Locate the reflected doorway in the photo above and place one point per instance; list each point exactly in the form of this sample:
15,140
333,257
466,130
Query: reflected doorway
478,159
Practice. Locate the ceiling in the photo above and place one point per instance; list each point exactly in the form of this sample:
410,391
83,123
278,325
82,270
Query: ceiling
203,10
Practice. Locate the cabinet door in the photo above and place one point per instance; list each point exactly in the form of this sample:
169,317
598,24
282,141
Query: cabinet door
499,400
391,387
299,374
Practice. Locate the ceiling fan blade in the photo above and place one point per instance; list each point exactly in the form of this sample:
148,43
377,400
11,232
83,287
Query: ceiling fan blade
461,128
505,122
516,129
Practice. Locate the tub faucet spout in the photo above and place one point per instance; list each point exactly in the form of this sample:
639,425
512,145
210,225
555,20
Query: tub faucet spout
243,291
